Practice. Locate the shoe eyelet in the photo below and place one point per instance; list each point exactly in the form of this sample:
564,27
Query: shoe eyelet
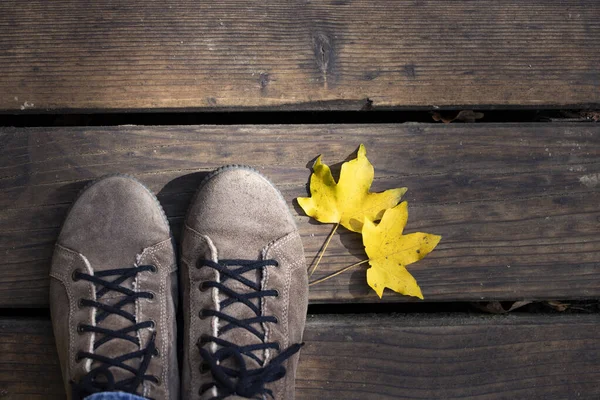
203,287
276,292
157,381
74,275
153,269
204,368
152,324
152,296
276,320
202,314
80,329
156,353
80,303
78,357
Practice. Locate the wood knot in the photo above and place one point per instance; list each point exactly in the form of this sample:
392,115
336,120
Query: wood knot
409,71
324,54
263,80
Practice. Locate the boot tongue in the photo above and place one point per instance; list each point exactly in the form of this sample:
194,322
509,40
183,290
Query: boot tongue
116,347
240,336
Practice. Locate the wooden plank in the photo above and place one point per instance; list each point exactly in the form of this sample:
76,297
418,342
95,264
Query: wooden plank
385,357
518,205
300,55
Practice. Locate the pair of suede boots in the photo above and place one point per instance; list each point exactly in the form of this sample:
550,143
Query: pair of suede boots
115,288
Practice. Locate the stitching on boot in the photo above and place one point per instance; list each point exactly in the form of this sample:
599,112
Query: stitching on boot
280,241
214,292
65,252
272,250
215,295
136,288
192,328
276,249
288,283
196,249
263,305
72,306
285,327
151,252
92,292
163,321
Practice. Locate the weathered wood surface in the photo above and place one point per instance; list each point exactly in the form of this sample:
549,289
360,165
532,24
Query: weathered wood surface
289,54
385,357
518,205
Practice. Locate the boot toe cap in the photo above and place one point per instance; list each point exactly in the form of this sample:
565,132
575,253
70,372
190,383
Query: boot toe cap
241,211
113,220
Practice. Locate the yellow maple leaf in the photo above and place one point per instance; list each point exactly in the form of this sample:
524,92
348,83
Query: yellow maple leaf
390,251
347,202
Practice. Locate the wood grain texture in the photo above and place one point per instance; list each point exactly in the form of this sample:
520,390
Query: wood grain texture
409,357
518,205
290,54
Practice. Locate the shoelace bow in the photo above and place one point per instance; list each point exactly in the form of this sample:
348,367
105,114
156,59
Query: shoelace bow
100,379
242,381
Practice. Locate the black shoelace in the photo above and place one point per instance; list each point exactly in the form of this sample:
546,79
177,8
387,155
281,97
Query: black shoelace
241,381
100,379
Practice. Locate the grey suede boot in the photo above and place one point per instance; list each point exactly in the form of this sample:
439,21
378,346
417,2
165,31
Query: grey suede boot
113,292
245,290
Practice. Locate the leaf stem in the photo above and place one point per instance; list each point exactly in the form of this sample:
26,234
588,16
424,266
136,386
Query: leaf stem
323,249
338,272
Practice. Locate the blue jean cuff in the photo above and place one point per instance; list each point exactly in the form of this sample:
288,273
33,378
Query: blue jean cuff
114,396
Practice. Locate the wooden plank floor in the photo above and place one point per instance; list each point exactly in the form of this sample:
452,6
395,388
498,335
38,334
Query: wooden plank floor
379,357
287,54
518,205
